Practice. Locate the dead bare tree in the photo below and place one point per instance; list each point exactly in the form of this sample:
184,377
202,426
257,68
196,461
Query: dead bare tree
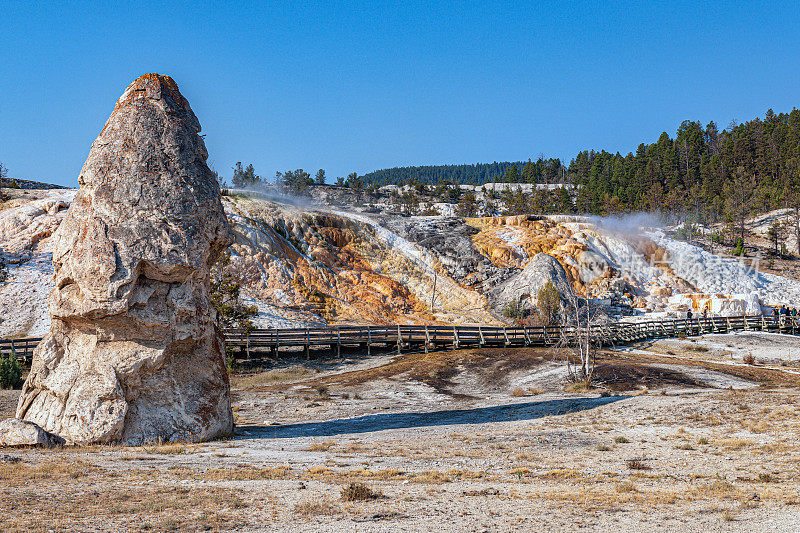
579,340
3,175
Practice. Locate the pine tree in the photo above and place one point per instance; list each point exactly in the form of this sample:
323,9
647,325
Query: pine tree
244,178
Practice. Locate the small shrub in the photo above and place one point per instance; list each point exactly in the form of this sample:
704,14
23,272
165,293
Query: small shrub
10,372
231,363
583,385
315,508
636,464
519,392
765,478
3,266
514,309
603,448
321,446
739,249
621,440
702,440
548,303
749,359
625,486
358,492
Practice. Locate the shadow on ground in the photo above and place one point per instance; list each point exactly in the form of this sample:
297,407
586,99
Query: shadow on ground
482,415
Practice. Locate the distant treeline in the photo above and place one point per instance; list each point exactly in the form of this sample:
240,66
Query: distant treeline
714,175
476,174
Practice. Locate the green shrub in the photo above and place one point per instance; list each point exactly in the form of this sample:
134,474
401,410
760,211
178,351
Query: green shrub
549,303
231,363
3,267
10,372
739,249
514,309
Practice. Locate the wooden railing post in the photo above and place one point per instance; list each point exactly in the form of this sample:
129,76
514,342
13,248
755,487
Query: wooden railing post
399,340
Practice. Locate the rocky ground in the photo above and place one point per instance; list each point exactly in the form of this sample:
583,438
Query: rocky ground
678,435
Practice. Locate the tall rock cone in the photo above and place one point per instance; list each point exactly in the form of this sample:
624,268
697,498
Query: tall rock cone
133,354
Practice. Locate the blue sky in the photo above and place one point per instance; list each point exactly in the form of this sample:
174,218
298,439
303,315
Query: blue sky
357,86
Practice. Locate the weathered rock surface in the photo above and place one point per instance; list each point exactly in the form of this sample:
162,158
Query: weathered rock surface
526,283
16,432
133,354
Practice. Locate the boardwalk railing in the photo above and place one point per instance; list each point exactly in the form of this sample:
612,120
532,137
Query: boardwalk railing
22,348
259,343
269,342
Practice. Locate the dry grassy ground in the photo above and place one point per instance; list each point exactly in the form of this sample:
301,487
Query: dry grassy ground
474,440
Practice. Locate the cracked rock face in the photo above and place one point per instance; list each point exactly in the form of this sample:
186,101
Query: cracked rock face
133,354
526,284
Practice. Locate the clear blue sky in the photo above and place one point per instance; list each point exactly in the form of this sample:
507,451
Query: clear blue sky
352,86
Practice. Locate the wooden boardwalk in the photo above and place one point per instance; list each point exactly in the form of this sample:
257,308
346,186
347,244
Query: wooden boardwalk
276,343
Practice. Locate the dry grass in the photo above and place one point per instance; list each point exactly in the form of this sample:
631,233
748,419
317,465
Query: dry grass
625,486
36,495
172,448
735,444
56,469
314,508
270,377
636,464
580,386
528,391
321,446
358,492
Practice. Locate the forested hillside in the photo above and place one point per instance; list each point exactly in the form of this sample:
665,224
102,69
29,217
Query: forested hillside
754,166
714,175
476,174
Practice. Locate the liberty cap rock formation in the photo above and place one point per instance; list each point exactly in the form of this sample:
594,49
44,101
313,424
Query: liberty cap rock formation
133,354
